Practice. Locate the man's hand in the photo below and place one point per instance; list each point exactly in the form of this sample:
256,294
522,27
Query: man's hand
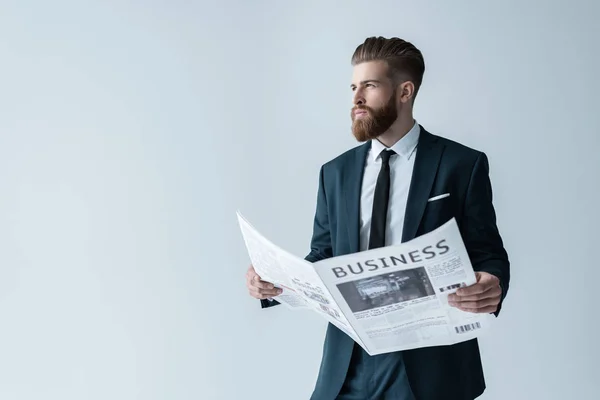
258,288
482,297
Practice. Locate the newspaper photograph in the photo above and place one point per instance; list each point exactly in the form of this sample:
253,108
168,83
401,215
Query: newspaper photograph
387,299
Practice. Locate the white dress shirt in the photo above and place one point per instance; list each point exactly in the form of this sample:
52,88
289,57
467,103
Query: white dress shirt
401,168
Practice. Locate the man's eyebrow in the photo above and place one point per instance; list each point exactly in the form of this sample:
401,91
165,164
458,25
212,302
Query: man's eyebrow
367,81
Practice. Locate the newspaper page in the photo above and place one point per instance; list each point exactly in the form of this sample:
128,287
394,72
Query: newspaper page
388,299
301,285
396,297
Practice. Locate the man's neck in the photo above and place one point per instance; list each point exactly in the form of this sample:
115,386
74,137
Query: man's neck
397,131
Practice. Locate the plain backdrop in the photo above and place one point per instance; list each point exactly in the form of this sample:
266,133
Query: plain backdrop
131,132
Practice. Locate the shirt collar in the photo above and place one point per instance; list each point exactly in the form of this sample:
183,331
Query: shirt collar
403,147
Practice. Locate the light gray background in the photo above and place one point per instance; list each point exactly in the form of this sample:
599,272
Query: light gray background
131,131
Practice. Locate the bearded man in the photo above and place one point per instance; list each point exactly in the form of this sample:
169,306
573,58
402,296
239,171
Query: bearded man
401,182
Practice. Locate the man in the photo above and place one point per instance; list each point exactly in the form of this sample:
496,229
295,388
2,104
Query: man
400,183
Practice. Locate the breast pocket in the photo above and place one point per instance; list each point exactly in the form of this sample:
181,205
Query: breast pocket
439,210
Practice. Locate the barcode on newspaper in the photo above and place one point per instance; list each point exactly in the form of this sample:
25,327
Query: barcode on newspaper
455,286
467,328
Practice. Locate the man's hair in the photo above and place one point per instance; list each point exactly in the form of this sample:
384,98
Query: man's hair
405,61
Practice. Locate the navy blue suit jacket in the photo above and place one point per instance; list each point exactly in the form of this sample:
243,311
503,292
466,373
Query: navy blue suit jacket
441,166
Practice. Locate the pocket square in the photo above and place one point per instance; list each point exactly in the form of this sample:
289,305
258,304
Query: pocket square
441,196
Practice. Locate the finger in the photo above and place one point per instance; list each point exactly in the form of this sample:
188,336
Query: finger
476,305
259,296
261,284
270,292
490,293
251,273
252,278
477,288
486,310
472,290
255,292
263,293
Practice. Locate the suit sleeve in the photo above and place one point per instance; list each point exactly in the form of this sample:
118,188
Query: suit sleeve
479,229
320,245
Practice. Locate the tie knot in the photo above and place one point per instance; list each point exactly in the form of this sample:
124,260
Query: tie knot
386,154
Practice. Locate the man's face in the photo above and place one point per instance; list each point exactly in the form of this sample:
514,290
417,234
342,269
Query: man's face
374,100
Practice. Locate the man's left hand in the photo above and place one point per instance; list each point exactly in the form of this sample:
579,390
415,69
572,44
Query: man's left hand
481,297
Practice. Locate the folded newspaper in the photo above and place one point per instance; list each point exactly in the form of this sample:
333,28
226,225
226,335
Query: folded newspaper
387,299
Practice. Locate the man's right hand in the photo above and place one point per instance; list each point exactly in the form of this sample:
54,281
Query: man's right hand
258,288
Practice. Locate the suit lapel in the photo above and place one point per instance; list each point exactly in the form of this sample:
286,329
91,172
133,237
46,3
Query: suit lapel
427,160
429,152
351,189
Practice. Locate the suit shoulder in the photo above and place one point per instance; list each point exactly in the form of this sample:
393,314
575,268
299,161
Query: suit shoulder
459,149
344,158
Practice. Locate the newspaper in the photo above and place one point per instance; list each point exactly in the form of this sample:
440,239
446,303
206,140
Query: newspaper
387,299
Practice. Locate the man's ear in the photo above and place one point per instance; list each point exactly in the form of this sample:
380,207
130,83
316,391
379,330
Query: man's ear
406,91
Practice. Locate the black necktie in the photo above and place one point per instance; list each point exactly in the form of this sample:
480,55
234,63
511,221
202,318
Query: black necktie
380,202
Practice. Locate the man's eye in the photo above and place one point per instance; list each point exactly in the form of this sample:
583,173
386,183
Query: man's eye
370,85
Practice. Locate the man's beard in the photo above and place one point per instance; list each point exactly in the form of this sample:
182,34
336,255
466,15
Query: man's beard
376,122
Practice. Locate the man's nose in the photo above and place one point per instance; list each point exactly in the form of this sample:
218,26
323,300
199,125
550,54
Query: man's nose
358,98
